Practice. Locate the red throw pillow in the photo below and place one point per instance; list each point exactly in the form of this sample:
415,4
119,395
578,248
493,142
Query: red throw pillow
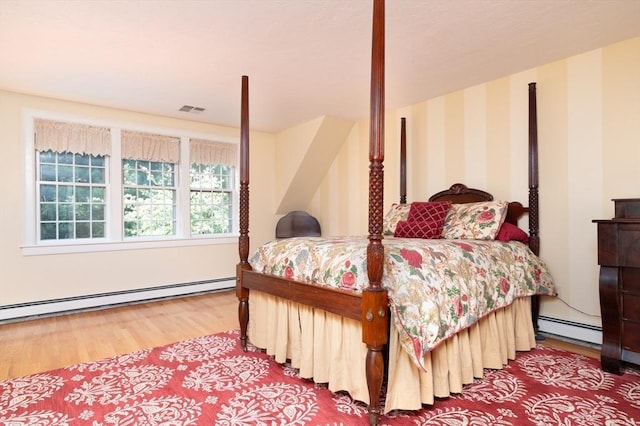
428,210
429,229
510,232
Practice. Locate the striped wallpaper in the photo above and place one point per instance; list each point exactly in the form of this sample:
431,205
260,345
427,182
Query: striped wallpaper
589,146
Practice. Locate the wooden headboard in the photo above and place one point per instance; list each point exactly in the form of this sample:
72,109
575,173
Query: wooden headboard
459,193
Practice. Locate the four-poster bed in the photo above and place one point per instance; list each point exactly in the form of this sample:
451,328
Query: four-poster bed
338,335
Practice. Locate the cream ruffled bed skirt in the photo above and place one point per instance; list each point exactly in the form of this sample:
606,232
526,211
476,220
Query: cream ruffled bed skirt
328,349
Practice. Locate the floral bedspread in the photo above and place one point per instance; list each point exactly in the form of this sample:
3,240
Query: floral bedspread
436,287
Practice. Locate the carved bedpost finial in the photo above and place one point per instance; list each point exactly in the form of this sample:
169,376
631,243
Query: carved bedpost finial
458,188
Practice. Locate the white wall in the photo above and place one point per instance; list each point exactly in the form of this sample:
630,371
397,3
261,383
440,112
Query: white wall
32,278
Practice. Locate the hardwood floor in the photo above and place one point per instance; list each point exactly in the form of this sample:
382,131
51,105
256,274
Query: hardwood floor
577,347
40,345
43,344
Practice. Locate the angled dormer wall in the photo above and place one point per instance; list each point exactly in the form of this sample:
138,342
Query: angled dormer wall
304,154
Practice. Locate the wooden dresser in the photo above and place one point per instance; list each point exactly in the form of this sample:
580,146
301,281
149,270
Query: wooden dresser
619,260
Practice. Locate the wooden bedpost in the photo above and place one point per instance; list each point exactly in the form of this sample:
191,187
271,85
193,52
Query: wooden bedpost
243,240
374,297
403,160
534,239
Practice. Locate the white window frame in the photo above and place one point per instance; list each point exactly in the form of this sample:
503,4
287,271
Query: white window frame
115,239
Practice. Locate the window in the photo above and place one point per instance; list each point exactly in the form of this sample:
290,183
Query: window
149,182
108,184
211,198
71,190
149,201
212,187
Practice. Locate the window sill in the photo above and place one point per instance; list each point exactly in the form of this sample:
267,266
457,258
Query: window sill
92,247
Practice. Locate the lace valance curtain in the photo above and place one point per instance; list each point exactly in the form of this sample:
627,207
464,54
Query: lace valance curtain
71,137
207,152
84,139
150,147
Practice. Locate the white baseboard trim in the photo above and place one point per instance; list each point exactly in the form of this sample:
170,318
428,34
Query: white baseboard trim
570,330
96,301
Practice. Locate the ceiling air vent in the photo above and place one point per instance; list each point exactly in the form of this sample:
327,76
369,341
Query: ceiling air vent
191,109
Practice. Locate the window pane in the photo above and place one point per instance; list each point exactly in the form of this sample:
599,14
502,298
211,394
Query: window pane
82,194
65,193
48,231
83,212
128,172
65,158
65,173
157,178
196,198
97,194
47,172
97,161
97,212
130,193
97,229
47,212
144,194
159,195
65,230
130,229
65,211
142,178
164,213
82,174
81,159
47,157
168,178
83,230
97,175
47,193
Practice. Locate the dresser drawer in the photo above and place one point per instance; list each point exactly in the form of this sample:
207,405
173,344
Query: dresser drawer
631,336
629,244
619,243
631,307
631,281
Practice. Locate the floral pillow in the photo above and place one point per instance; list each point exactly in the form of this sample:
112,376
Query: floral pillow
475,221
397,213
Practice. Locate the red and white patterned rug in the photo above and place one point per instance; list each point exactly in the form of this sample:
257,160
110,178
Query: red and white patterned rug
210,381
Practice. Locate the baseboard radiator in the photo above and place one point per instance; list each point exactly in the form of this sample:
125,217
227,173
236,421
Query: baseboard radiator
23,311
38,309
570,329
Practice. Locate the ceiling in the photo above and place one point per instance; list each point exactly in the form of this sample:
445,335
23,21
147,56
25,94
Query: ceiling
304,58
